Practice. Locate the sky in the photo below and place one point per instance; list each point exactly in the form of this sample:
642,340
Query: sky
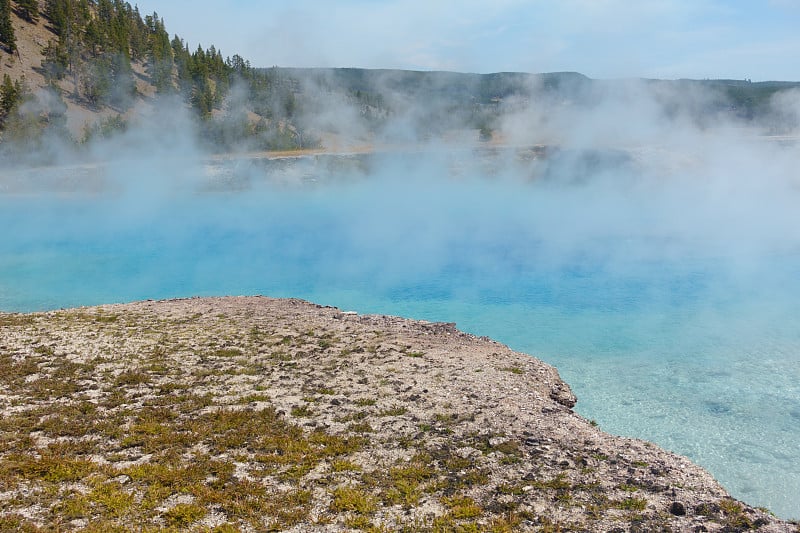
604,39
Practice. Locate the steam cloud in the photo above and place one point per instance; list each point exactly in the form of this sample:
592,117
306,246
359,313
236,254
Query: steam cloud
634,184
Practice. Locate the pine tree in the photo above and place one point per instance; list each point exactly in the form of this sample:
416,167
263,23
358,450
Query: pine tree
183,60
138,39
124,88
7,36
203,99
10,95
55,62
159,54
94,37
120,33
28,9
56,13
105,11
240,66
97,81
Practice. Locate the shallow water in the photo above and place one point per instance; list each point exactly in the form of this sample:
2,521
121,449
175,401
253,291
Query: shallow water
674,315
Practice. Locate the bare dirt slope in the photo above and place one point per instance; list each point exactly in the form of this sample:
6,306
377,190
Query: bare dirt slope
31,39
255,414
26,66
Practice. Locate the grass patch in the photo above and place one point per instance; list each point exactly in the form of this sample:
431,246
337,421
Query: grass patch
632,504
344,465
184,515
365,402
462,507
114,500
13,319
353,499
48,467
225,353
395,410
131,378
302,411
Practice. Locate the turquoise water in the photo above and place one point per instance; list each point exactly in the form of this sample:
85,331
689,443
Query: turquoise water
670,304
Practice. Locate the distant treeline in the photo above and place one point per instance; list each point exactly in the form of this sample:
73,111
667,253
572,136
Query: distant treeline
452,100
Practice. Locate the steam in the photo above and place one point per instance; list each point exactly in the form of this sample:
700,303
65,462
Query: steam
591,201
624,175
627,176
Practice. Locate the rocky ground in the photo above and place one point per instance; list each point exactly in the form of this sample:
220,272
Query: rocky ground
256,414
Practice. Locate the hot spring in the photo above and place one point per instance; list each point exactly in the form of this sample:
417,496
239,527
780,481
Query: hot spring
662,284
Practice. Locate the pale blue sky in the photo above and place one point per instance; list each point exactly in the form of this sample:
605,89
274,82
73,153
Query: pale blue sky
737,39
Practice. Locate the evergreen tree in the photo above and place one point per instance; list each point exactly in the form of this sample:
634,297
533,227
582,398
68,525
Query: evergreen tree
105,12
69,19
56,61
94,37
124,88
56,13
7,36
97,81
159,54
183,60
240,66
10,93
198,67
28,9
26,128
203,98
120,31
138,36
289,103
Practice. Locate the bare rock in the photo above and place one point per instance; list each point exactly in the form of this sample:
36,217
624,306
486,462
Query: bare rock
276,414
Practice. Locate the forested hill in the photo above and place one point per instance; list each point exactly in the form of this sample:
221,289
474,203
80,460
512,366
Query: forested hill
76,70
460,88
486,88
79,69
741,100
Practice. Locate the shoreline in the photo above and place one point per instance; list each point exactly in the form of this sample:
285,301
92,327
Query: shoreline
431,425
86,165
342,150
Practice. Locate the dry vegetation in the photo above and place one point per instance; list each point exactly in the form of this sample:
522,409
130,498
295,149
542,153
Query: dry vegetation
253,414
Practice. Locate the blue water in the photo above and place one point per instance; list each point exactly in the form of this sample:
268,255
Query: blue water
671,308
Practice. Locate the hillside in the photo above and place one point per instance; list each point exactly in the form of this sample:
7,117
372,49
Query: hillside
80,70
256,414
